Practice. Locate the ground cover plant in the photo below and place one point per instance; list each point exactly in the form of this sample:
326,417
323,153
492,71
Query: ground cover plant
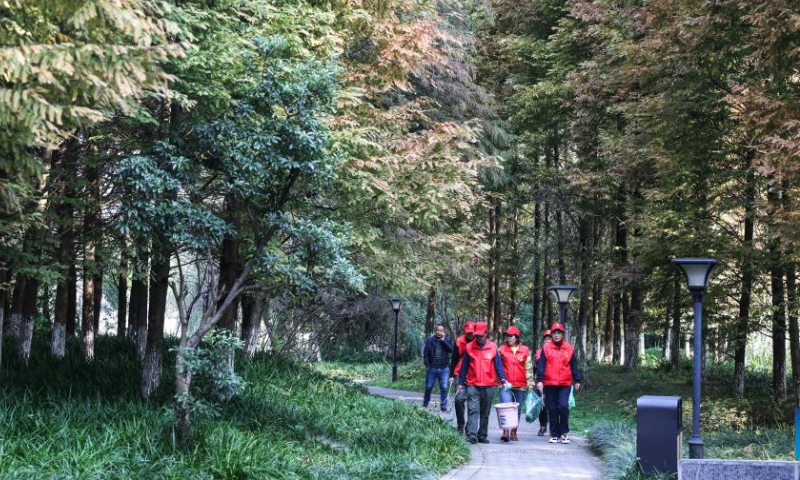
67,419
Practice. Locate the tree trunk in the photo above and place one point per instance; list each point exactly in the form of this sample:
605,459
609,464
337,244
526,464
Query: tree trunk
97,278
794,334
137,306
608,334
666,338
17,300
617,352
3,295
72,297
547,307
778,304
66,249
537,278
91,222
747,267
29,313
159,285
586,254
675,350
430,313
252,312
633,327
122,291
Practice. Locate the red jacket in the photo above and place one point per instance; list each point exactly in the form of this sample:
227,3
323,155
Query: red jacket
481,372
559,364
515,365
461,346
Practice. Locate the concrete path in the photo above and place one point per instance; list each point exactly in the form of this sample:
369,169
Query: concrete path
531,457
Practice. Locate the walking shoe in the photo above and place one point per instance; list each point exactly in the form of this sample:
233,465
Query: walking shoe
553,440
483,440
504,436
564,438
472,440
542,431
460,429
514,435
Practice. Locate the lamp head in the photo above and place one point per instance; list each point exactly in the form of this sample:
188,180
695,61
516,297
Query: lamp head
697,271
562,292
396,303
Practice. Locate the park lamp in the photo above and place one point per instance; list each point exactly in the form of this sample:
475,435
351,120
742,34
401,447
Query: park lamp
562,292
396,303
697,271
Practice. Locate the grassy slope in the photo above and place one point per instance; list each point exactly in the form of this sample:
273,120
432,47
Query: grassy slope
410,376
70,420
745,428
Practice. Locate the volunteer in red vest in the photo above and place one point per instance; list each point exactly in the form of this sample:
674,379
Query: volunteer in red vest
480,370
518,365
557,372
455,369
546,338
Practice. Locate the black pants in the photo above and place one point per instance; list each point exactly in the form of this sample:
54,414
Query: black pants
557,401
461,404
479,403
543,417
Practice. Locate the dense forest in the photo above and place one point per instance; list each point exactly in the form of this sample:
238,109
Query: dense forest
278,169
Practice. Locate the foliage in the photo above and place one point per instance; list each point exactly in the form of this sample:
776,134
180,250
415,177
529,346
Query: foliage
291,423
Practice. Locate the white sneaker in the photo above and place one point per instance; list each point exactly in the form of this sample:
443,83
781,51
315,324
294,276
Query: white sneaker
564,438
553,440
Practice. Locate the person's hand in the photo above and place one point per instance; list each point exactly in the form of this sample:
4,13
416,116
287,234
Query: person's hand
460,388
577,386
506,385
540,387
530,387
452,380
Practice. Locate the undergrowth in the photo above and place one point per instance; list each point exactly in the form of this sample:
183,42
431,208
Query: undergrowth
67,419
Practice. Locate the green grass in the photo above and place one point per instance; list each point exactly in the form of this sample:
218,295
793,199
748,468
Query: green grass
755,427
67,419
410,376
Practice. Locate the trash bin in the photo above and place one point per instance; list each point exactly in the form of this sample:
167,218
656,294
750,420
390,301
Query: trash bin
658,433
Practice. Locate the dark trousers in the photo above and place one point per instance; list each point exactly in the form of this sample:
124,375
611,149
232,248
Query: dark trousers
557,401
479,405
434,374
543,417
461,404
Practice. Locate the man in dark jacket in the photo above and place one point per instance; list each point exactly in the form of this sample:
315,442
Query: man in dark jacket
437,362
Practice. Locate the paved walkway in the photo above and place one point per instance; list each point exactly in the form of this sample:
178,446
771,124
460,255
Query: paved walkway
531,455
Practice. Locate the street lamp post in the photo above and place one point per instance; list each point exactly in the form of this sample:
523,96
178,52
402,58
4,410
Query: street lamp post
396,303
697,271
562,294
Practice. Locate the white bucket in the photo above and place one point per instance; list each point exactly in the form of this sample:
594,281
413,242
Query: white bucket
507,415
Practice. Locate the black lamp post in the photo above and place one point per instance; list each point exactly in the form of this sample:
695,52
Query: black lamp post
562,294
698,271
396,303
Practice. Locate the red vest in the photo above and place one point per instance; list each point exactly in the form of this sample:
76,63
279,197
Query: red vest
481,364
461,346
514,365
557,371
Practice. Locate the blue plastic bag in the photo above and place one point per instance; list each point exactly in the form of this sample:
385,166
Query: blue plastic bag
533,406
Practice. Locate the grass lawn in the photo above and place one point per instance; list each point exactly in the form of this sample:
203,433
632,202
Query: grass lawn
410,376
67,419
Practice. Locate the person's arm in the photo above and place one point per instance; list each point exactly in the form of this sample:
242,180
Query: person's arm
529,369
573,365
454,359
462,375
541,364
448,347
498,367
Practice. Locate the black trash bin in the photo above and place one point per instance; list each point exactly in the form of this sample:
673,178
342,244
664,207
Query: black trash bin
658,433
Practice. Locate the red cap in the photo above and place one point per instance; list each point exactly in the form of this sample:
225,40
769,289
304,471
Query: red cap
480,328
469,327
546,333
557,326
512,330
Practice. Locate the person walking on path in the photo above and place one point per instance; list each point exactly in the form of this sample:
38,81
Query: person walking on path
455,369
558,370
518,366
437,362
480,370
546,338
